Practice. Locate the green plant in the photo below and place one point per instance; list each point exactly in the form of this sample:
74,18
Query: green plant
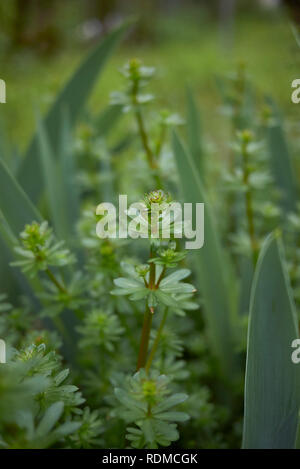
153,358
146,402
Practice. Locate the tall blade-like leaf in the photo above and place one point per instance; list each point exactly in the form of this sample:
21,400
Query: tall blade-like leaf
210,263
194,132
59,179
53,184
295,33
9,153
6,239
14,203
16,210
281,165
72,97
67,165
272,380
108,118
5,231
246,277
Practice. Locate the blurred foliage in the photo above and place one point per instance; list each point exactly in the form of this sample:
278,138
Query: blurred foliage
154,359
188,39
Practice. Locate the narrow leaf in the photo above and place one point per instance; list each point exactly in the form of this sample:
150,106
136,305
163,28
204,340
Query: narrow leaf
107,119
50,418
272,380
194,132
69,188
210,262
281,165
53,183
14,203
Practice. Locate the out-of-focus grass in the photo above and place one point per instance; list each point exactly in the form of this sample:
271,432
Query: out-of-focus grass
188,49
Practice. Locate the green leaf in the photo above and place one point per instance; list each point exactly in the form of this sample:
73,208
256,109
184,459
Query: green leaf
67,167
295,33
67,428
52,182
62,375
107,119
194,136
166,299
128,401
6,232
210,263
126,283
246,276
148,430
15,206
173,416
7,239
16,210
59,180
281,165
272,380
52,415
178,288
180,274
138,295
170,402
11,279
72,97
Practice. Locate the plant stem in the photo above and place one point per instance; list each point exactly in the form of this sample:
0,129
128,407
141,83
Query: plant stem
150,156
54,280
249,208
79,313
144,343
160,142
152,276
57,320
144,137
151,284
161,276
156,341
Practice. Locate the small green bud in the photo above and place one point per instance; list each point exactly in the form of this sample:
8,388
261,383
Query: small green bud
142,270
35,235
149,391
157,197
246,136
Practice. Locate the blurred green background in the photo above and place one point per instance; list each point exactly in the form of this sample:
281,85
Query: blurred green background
41,43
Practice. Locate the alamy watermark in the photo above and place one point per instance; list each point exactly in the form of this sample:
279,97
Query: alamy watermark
3,101
2,91
2,351
295,356
295,96
155,218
